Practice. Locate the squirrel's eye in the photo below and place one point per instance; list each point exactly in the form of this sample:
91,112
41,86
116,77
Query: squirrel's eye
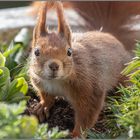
37,52
69,52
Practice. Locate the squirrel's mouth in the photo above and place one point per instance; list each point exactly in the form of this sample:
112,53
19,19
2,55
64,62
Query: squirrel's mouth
49,77
53,75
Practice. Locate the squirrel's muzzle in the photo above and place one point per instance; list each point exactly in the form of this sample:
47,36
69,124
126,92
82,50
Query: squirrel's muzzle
54,66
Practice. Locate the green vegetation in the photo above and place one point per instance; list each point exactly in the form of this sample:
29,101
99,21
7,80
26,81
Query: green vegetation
15,125
129,103
12,89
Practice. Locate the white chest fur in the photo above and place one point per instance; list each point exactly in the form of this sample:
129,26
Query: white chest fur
54,87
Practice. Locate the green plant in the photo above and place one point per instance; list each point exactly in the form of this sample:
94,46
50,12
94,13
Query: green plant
13,86
127,104
44,133
11,91
15,53
15,125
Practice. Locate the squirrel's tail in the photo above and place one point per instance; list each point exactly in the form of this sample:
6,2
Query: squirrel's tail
116,18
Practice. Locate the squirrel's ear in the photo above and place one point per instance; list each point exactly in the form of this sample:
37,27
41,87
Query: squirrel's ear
63,27
40,29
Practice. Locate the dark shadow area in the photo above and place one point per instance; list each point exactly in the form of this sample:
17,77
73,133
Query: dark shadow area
10,4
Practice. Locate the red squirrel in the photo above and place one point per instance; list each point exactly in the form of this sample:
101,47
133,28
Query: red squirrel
82,67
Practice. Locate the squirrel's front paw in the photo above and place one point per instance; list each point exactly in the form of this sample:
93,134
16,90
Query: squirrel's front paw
41,111
75,134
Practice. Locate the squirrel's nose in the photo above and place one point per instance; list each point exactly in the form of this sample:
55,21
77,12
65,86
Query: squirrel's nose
54,66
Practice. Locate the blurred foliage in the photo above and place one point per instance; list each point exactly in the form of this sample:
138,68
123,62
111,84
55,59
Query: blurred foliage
12,4
14,125
16,55
129,103
12,89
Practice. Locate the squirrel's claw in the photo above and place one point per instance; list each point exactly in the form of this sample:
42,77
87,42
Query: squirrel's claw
41,112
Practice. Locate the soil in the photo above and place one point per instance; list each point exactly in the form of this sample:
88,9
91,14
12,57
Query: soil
62,115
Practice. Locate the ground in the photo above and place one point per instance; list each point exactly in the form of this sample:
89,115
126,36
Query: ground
62,115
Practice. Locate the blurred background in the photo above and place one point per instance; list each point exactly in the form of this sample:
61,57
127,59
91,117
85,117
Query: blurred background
10,4
15,15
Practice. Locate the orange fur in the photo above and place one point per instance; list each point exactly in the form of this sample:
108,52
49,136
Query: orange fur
94,67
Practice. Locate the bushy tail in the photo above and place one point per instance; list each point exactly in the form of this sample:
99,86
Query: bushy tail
113,17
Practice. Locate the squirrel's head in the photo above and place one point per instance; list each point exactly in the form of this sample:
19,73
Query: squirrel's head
51,56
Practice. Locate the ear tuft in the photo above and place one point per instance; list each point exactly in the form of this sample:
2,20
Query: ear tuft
40,28
63,27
